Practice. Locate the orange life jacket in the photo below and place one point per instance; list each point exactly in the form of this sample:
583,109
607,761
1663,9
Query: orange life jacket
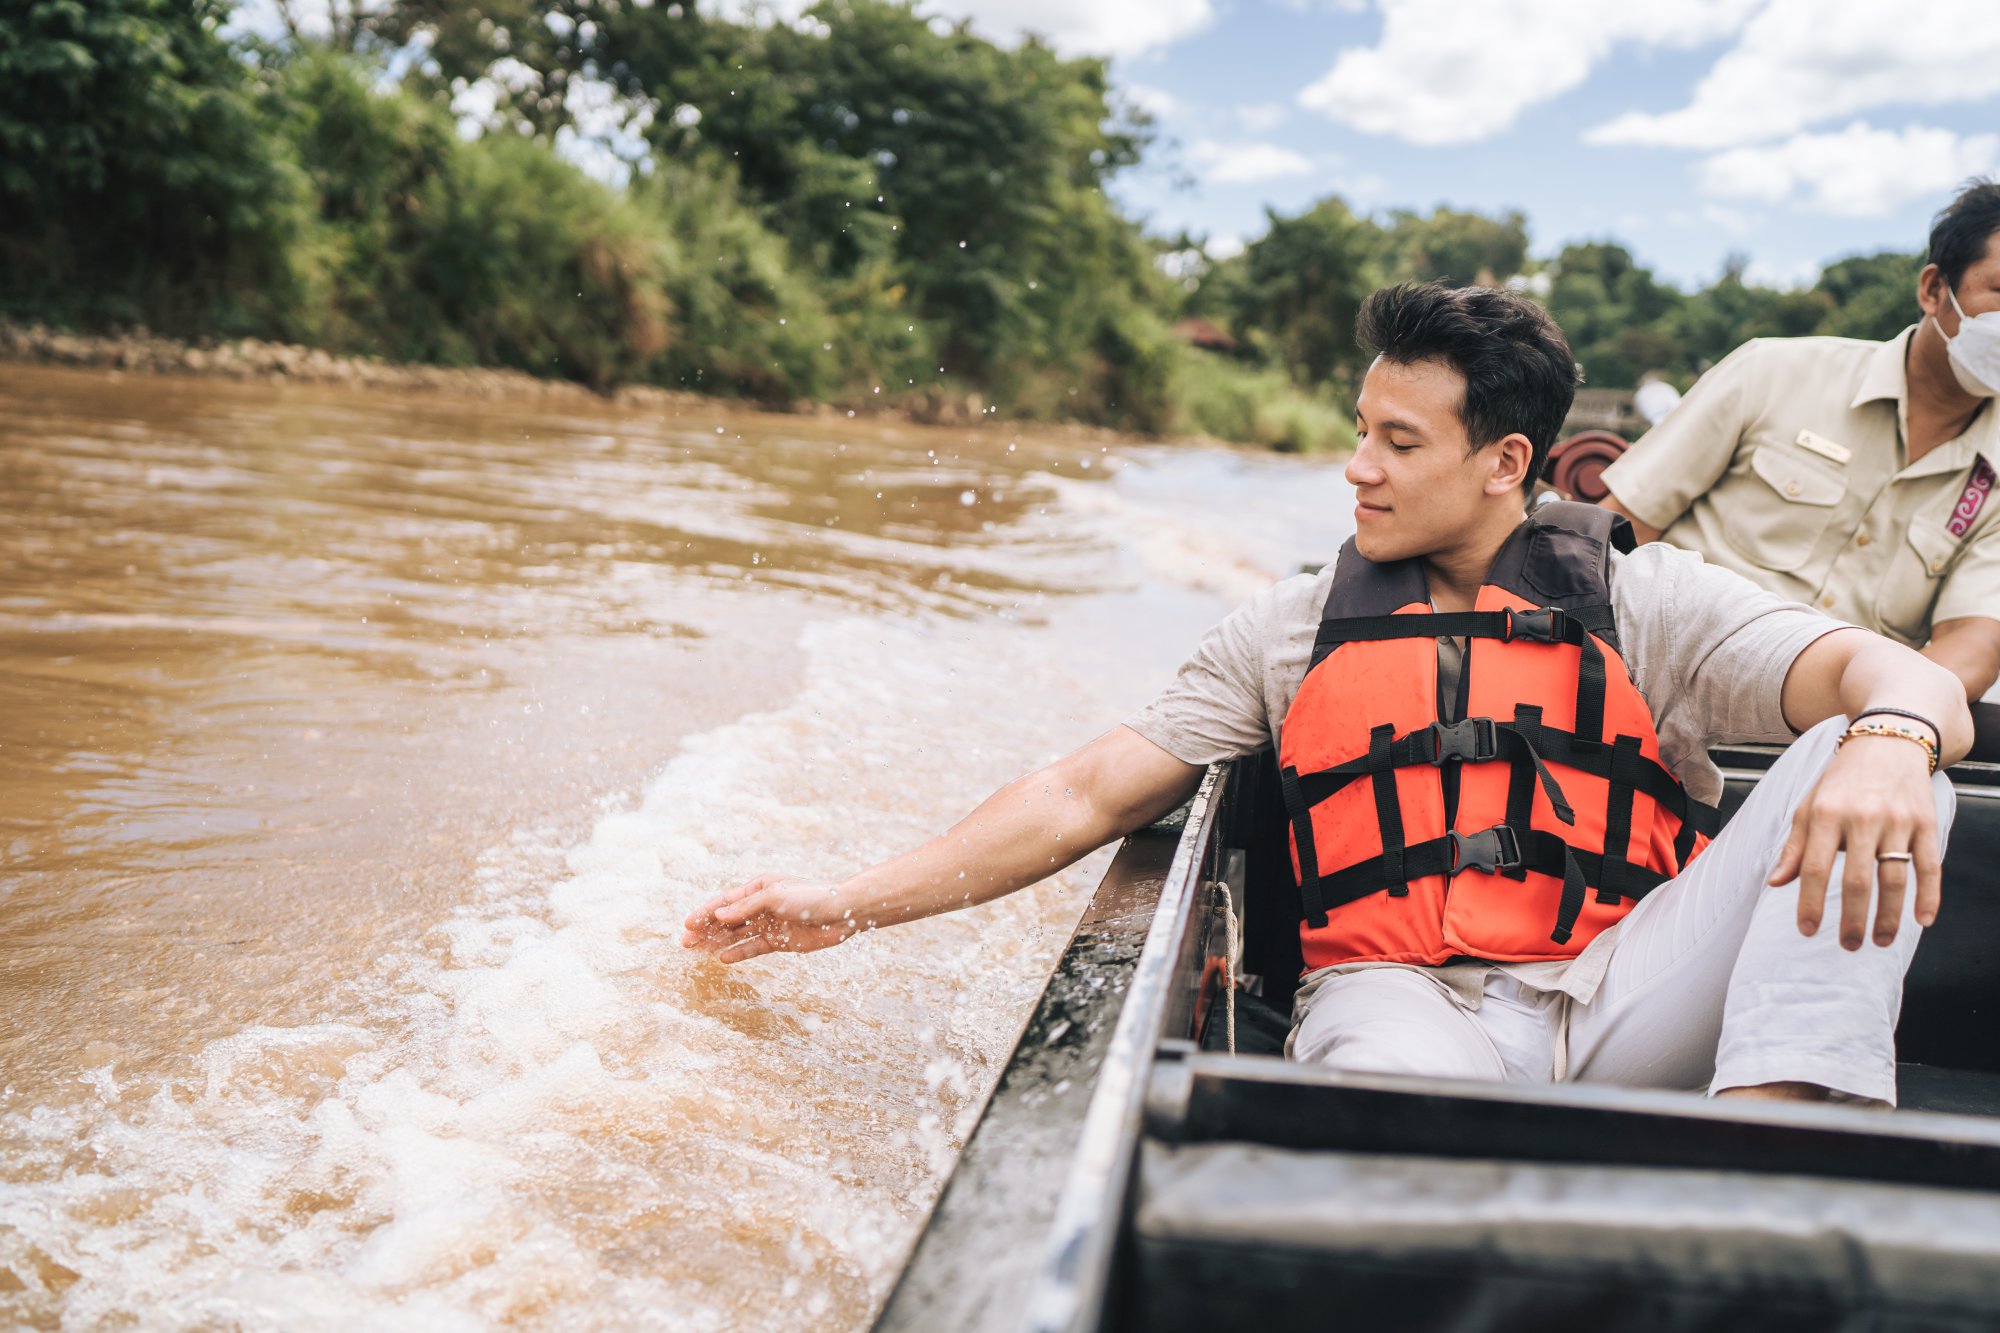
1521,831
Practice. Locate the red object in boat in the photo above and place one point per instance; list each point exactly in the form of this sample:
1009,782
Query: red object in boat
1576,465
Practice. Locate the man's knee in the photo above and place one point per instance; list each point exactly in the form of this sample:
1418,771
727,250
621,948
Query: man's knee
1418,1049
1392,1022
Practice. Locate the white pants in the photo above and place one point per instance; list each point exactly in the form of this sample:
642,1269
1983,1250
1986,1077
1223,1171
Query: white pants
1709,984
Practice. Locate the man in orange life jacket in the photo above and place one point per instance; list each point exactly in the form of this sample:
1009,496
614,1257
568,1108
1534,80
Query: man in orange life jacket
1495,735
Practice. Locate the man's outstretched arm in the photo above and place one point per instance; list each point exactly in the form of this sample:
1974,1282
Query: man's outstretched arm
1025,832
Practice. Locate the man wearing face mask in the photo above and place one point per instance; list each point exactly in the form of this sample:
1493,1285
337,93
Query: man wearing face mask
1856,477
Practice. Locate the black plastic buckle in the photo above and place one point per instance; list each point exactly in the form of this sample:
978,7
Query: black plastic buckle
1490,849
1473,739
1544,624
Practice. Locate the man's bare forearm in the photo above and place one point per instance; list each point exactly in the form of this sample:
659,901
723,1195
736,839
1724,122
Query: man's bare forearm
1882,674
1641,529
1025,832
1849,671
1969,648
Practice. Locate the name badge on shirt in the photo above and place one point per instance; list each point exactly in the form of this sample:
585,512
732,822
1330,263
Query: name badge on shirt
1973,499
1824,447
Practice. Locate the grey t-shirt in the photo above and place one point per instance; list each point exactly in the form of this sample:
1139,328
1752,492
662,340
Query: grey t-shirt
1707,648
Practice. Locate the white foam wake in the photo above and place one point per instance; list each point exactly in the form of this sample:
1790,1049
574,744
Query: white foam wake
556,1114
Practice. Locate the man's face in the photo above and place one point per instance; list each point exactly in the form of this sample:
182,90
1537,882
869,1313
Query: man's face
1416,492
1978,291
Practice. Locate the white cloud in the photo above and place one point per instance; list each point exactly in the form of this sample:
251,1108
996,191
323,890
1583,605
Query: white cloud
1791,276
1224,246
1263,117
1155,102
1801,62
1856,172
1073,27
1733,221
1447,72
1084,27
1245,163
1364,190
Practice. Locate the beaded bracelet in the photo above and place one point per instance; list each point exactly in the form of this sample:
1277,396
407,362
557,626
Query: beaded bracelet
1937,733
1900,733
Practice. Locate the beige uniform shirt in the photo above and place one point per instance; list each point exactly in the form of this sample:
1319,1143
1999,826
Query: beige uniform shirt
1786,463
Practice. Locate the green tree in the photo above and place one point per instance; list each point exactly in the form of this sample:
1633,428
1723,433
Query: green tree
1613,311
874,136
1454,247
1873,296
1298,288
136,179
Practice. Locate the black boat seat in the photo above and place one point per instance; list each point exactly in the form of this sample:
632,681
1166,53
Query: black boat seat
1363,1241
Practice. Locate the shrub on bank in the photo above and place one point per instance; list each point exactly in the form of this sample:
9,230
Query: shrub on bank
428,248
1257,405
746,322
494,251
137,182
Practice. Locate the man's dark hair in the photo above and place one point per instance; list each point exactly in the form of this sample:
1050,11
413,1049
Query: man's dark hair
1519,374
1959,233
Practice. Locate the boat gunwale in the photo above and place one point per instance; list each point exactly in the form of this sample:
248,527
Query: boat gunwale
1074,1272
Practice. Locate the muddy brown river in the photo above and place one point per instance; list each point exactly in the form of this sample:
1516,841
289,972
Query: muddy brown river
360,754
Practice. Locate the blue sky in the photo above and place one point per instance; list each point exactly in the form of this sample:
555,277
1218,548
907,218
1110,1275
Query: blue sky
1790,131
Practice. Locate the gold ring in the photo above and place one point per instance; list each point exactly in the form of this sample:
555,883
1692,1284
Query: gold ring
1895,856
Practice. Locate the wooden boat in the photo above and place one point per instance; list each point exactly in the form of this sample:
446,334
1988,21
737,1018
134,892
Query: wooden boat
1131,1172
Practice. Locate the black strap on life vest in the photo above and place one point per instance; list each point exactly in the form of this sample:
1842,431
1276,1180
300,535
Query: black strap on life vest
1548,624
1512,848
1501,849
1530,744
1474,740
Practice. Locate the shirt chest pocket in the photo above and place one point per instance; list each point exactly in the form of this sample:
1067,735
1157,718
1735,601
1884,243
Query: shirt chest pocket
1791,498
1911,584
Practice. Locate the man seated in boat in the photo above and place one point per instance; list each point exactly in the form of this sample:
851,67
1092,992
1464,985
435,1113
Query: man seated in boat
1494,732
1854,476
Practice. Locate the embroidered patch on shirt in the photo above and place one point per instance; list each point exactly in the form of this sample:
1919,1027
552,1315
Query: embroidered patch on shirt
1973,500
1824,447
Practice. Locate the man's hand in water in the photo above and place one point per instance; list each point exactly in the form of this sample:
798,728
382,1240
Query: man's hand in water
1026,831
772,914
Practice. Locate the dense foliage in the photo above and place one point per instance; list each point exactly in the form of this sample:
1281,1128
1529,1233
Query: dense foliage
136,175
1292,294
860,205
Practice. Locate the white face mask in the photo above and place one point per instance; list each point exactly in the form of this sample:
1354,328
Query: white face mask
1974,352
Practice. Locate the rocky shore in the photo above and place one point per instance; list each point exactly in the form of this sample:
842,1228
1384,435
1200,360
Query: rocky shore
142,352
252,359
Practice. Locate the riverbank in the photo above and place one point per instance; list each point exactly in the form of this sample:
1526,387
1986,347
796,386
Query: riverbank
257,361
253,359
